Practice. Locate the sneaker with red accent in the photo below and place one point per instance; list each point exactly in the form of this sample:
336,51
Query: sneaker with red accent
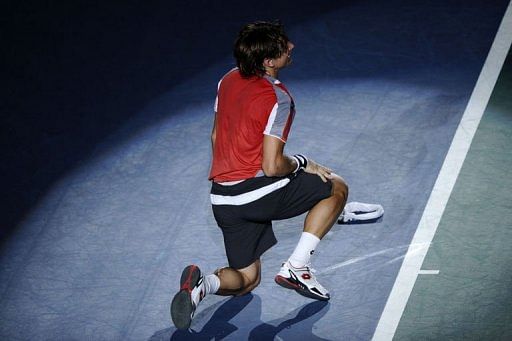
302,281
185,302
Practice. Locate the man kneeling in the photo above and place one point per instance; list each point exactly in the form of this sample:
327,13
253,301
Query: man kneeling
254,182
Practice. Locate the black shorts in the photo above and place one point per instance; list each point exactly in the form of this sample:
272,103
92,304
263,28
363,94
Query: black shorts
245,211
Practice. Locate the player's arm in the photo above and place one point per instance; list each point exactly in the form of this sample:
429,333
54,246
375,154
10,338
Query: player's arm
276,163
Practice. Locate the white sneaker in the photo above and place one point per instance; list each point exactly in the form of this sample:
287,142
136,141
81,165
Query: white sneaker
185,302
302,281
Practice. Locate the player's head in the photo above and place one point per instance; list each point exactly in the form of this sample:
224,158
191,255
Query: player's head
258,43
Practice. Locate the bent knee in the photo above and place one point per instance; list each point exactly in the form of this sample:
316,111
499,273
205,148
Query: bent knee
240,281
340,187
250,283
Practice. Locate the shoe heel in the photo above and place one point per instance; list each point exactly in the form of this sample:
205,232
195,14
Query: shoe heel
285,283
189,277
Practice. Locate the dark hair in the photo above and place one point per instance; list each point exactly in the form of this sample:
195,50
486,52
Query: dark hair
256,42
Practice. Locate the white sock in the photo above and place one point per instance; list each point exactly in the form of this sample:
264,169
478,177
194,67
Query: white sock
304,249
211,283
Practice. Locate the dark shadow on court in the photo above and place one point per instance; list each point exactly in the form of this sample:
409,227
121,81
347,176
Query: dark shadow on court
302,322
217,327
298,322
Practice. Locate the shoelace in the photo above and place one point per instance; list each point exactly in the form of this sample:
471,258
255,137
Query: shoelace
310,269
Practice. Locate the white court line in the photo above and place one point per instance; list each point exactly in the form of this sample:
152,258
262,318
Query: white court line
428,272
436,204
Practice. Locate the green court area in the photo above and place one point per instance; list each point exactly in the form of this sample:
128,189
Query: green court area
471,296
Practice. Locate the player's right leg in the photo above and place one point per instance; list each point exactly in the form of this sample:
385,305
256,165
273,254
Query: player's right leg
239,281
192,290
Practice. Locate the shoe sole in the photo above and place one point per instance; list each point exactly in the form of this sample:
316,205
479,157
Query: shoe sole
181,306
285,283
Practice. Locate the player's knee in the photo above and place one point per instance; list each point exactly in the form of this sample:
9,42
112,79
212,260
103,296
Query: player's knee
256,282
233,279
250,283
339,188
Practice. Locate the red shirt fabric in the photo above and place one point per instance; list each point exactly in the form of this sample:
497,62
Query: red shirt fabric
246,110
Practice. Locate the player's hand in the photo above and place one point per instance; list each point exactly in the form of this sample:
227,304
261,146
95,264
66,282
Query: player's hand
314,168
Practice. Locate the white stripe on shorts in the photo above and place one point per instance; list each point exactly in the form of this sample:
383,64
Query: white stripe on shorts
245,198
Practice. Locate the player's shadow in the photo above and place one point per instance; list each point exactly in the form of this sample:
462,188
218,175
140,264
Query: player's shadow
219,326
307,315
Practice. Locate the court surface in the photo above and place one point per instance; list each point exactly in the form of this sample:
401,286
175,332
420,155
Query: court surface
380,89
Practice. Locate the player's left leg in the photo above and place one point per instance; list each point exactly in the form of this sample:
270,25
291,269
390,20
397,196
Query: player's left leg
295,273
194,287
323,215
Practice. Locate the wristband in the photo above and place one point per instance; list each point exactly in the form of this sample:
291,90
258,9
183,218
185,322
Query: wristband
302,162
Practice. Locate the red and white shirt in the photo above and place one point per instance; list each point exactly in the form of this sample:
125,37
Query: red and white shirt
246,110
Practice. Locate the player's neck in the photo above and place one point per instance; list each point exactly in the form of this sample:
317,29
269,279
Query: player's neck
271,72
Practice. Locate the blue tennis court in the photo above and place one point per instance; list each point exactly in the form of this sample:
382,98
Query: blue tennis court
108,151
